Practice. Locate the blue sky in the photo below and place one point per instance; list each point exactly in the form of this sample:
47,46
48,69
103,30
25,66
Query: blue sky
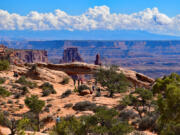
148,17
76,7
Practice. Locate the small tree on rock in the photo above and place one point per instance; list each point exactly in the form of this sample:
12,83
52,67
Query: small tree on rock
111,80
140,100
35,105
168,101
15,126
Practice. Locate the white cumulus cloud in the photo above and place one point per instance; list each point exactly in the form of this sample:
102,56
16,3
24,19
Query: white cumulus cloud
97,18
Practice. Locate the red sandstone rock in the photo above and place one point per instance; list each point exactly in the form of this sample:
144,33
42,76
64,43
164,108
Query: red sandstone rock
17,56
98,60
71,55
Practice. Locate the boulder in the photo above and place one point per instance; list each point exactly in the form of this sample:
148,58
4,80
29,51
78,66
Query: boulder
85,92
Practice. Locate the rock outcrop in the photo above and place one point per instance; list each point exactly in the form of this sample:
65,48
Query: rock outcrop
32,56
17,56
71,55
138,79
44,74
98,60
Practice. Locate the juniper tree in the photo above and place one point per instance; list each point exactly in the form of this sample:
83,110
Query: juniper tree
111,80
35,105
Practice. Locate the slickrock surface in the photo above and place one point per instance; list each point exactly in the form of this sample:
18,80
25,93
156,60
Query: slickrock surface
137,79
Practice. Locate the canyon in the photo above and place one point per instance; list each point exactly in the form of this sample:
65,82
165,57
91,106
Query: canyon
153,58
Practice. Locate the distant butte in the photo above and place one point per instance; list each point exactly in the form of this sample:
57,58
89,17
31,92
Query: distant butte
22,56
71,55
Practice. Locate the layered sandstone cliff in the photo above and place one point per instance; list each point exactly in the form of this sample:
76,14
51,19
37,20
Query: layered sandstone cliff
17,56
71,55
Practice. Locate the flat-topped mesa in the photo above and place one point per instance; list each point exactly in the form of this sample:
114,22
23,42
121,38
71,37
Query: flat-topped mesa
22,56
71,55
138,79
32,56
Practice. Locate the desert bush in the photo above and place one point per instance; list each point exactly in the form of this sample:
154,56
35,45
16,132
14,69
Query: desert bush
46,109
149,122
103,122
84,106
6,113
47,89
46,92
21,106
10,101
68,105
82,87
65,81
167,90
17,95
127,115
17,102
66,93
47,119
24,90
4,92
3,103
2,80
35,105
138,133
141,100
22,80
49,105
49,99
58,110
15,126
112,81
4,65
98,94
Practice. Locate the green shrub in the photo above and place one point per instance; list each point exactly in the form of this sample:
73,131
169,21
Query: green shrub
47,119
46,109
2,80
4,65
138,133
46,92
98,94
128,114
49,105
66,93
24,90
148,123
6,113
10,101
84,106
22,80
65,81
47,89
21,106
35,105
17,95
4,92
68,105
82,87
112,81
103,122
3,103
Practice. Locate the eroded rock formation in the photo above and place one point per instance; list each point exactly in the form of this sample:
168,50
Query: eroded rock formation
71,55
32,56
17,56
138,79
98,60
